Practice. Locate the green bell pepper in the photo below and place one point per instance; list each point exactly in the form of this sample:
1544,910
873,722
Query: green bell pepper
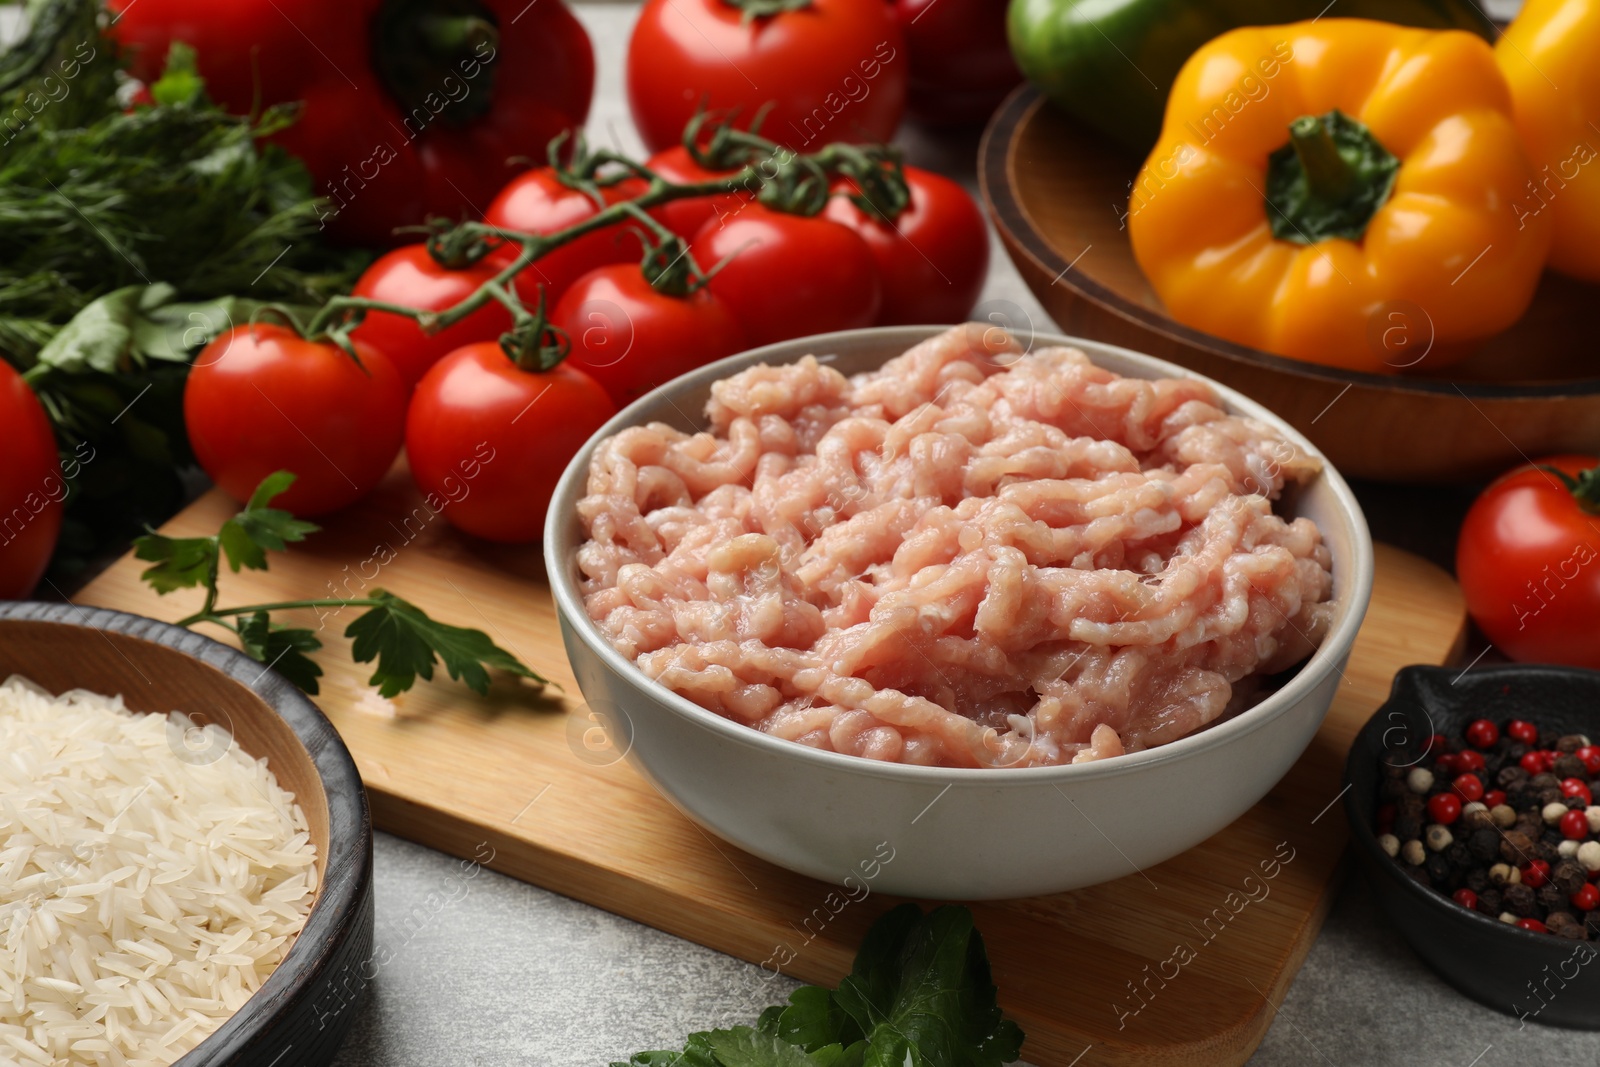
1111,63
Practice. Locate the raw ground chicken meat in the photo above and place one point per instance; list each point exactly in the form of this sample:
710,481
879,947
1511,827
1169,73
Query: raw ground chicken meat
970,557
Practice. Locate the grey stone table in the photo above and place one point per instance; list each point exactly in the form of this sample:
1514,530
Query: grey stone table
489,971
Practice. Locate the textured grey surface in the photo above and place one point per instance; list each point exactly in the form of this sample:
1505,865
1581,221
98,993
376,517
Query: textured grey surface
484,970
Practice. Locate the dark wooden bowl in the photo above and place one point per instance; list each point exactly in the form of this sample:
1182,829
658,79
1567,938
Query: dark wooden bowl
1488,960
304,1008
1056,191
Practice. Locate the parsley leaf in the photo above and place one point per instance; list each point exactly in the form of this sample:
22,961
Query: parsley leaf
259,529
282,648
180,562
406,643
920,995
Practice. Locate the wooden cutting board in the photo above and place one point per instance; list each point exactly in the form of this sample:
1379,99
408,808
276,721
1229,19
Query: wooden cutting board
1183,964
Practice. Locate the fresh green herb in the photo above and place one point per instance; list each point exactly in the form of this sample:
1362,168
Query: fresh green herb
130,237
400,636
919,995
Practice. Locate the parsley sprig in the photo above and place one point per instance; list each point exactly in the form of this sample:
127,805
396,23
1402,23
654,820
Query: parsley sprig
401,637
920,995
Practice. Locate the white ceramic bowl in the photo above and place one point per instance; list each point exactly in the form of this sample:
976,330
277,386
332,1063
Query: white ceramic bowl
951,833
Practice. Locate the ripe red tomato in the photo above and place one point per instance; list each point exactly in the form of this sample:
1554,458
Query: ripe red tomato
790,275
834,70
961,65
685,217
261,399
630,337
31,489
491,439
933,257
411,277
537,202
1529,562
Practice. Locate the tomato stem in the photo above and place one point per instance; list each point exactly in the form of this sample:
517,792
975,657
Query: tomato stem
755,9
1585,487
785,180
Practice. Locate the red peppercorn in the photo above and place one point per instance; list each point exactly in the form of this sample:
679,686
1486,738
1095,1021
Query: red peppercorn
1447,765
1535,874
1586,899
1481,733
1445,808
1468,787
1576,787
1532,924
1469,900
1469,761
1494,798
1533,762
1438,744
1590,754
1574,825
1522,732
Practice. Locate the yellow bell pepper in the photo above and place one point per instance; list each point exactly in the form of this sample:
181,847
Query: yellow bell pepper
1340,191
1549,54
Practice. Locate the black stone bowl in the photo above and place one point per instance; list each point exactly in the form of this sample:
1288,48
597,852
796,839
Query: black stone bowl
303,1009
1538,977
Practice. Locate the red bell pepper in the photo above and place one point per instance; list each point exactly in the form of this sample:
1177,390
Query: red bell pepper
412,108
961,65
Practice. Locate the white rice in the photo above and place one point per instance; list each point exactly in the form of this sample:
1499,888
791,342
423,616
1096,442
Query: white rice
145,892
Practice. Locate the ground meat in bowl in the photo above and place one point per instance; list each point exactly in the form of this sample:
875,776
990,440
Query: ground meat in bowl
969,557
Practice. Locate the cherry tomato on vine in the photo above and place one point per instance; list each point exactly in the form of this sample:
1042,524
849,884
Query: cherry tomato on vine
537,202
410,276
833,70
685,217
261,398
631,337
31,489
1529,561
790,275
933,256
491,439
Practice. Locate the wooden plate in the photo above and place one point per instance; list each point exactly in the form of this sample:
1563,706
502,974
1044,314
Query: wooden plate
302,1010
1057,191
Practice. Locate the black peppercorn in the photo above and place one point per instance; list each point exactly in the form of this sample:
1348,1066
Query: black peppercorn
1519,899
1390,790
1492,902
1568,875
1547,851
1509,777
1569,743
1485,845
1569,767
1407,827
1543,779
1516,848
1459,855
1418,875
1477,880
1438,869
1550,896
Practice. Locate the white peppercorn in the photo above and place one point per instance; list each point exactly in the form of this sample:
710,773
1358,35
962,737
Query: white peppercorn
1504,815
1567,849
1438,837
1592,813
1391,845
1589,855
1420,780
1552,813
1413,853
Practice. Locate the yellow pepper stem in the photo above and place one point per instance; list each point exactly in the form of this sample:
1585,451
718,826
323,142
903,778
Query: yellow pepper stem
1327,172
1328,180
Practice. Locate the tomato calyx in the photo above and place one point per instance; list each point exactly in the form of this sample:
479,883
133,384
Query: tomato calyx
457,247
728,147
760,9
420,45
1585,487
534,343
